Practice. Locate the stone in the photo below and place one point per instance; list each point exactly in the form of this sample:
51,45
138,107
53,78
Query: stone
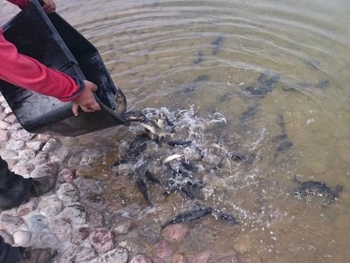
8,110
95,219
35,146
232,258
61,229
43,137
141,259
178,258
23,169
150,232
133,246
92,200
50,206
66,176
36,223
8,154
26,154
30,206
101,240
46,169
118,255
51,145
76,254
202,257
7,237
62,155
80,234
75,214
45,239
22,135
120,225
162,250
15,145
4,136
11,119
41,158
3,125
175,232
68,193
22,238
74,160
89,185
10,222
15,127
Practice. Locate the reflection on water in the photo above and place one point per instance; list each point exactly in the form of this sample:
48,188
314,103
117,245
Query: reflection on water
277,71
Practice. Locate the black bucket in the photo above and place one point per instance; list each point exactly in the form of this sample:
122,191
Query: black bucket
52,41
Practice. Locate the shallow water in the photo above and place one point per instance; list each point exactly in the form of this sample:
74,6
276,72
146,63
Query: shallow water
204,55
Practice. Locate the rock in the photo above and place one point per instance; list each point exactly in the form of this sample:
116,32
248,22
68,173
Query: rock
162,250
6,236
26,154
175,233
50,206
80,234
95,219
243,244
141,259
118,255
4,135
23,169
8,110
120,225
14,145
11,119
28,207
36,223
8,154
232,258
46,169
35,146
51,145
61,155
22,135
89,185
202,257
3,125
61,229
150,233
41,158
45,239
9,222
178,258
74,161
76,254
132,246
15,127
68,193
75,214
101,240
22,238
43,137
66,176
95,201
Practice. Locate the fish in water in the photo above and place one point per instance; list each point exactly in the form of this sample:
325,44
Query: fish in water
175,143
165,124
120,102
225,217
189,216
244,157
311,188
155,130
217,44
314,64
135,115
284,146
248,115
142,186
151,177
263,85
200,57
172,157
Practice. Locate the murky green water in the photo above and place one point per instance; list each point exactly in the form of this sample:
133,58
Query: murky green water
156,51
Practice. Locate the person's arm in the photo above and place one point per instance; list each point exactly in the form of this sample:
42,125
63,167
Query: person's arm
20,3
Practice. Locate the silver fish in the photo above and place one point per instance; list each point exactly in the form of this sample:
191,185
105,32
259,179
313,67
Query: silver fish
135,115
164,123
172,157
120,102
152,126
189,216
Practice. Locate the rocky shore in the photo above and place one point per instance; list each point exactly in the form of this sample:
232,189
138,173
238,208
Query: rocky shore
70,218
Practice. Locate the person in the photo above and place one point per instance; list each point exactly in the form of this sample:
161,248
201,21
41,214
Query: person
28,73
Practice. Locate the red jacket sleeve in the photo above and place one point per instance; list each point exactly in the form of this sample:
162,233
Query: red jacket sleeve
28,73
21,3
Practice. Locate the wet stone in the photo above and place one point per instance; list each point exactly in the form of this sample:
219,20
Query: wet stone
28,207
6,236
51,145
101,240
22,238
74,161
132,246
26,154
9,222
68,193
50,207
11,119
66,176
95,219
62,155
75,214
80,234
46,169
119,255
41,158
178,258
202,257
150,233
175,233
162,250
36,223
14,145
45,239
120,225
8,154
4,136
95,201
89,185
141,259
35,146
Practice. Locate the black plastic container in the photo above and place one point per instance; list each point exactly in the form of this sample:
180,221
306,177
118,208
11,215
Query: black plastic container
52,41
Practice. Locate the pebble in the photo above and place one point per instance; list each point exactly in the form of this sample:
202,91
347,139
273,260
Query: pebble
66,176
28,207
9,222
22,238
7,237
46,169
22,135
27,154
41,158
4,136
232,258
23,169
178,258
175,232
132,246
162,250
68,193
118,255
35,146
50,206
80,234
36,223
75,214
4,125
95,219
7,154
45,239
141,259
61,229
76,254
15,145
51,145
101,240
202,257
120,225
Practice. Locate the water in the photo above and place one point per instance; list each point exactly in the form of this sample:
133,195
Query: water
202,55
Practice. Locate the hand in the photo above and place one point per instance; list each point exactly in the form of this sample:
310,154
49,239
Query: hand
49,6
86,101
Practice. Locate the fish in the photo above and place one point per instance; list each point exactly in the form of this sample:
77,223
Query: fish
151,177
135,115
200,57
284,146
322,84
154,129
138,146
217,44
172,157
244,157
311,188
175,143
120,102
164,123
248,115
314,64
225,217
189,216
142,186
263,85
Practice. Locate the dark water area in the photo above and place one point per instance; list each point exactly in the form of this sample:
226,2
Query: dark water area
262,87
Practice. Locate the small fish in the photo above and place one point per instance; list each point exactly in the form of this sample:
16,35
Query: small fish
120,102
189,167
226,217
142,186
200,57
164,123
202,78
151,177
284,146
189,216
244,157
217,44
172,157
263,85
314,64
322,84
135,115
152,126
175,143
